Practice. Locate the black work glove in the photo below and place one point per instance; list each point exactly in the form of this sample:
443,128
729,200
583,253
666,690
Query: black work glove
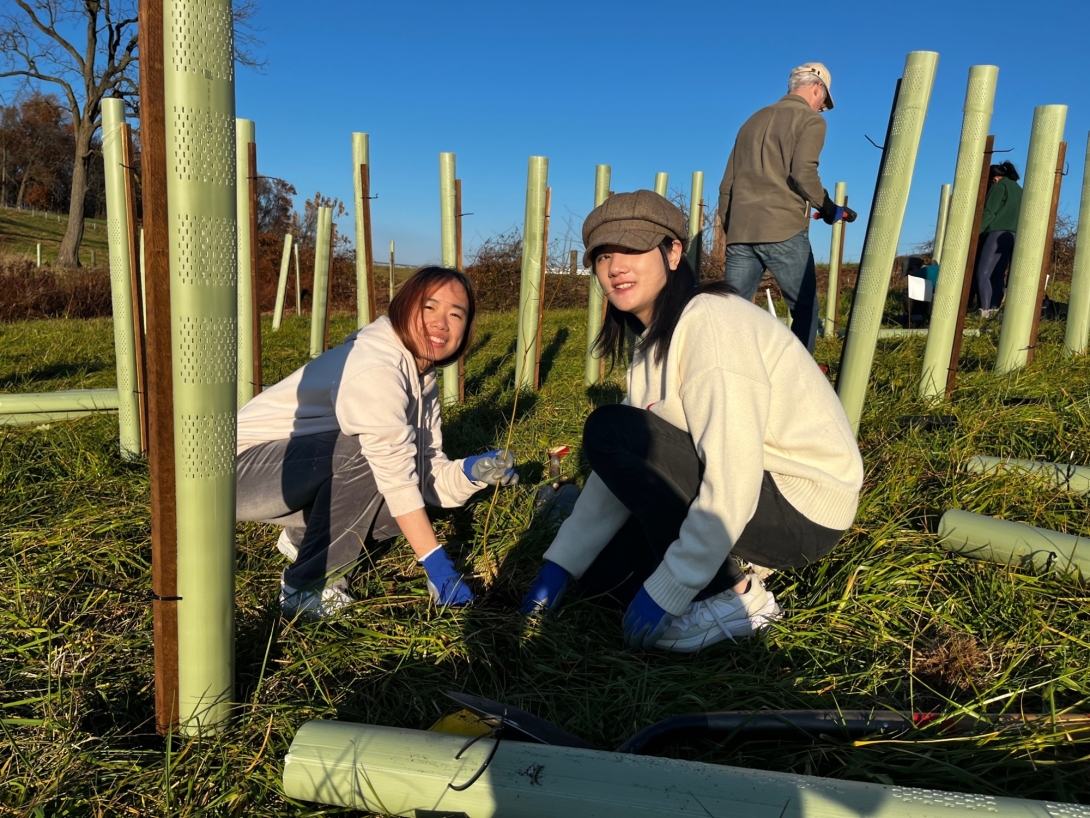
830,212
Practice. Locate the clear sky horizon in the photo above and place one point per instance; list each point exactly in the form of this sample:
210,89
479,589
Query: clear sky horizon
639,86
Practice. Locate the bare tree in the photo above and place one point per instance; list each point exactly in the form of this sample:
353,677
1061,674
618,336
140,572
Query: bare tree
88,50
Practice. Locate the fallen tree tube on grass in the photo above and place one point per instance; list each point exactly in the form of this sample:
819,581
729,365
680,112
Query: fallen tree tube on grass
396,771
1061,475
1008,543
68,400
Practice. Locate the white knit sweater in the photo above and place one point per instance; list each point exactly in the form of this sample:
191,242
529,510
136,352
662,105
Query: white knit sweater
368,386
753,400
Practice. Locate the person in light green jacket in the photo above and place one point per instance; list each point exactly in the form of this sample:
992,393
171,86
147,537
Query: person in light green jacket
998,229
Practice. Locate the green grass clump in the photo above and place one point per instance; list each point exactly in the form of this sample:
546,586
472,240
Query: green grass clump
889,620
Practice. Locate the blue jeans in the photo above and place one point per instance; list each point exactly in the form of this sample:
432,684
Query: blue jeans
792,263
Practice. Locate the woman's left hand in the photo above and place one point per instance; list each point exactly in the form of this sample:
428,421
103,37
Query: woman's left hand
645,621
496,468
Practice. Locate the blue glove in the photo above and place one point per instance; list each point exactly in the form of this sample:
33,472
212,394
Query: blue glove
644,621
496,467
547,591
445,583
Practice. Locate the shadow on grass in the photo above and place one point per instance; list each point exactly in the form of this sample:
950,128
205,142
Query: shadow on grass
475,382
548,355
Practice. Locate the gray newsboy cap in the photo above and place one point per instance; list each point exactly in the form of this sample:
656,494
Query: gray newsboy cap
639,221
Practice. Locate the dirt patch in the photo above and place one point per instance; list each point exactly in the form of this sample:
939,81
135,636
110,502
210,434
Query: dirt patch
951,661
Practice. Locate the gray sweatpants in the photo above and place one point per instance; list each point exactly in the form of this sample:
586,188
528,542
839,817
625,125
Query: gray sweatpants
321,489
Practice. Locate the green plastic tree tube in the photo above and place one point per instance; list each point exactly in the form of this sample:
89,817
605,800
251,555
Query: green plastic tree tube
121,273
449,247
946,301
361,155
1061,475
319,298
839,195
298,282
940,224
1078,308
65,400
203,252
42,418
396,771
1029,249
1009,543
592,368
884,230
533,240
244,135
282,283
696,226
661,180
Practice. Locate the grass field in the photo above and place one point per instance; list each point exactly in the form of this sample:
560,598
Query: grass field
889,620
22,230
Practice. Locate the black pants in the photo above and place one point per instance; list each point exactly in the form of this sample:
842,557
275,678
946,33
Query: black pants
653,468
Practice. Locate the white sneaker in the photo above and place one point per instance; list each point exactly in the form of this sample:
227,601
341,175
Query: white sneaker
285,546
723,616
314,604
762,572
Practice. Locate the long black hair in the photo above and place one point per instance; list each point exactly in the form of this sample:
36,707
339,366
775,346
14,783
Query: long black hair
681,287
1004,169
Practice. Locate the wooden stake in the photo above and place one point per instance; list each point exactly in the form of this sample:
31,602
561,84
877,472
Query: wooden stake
365,207
541,289
1046,262
160,396
139,342
255,296
970,267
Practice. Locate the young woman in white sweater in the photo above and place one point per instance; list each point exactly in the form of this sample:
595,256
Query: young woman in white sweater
730,443
345,451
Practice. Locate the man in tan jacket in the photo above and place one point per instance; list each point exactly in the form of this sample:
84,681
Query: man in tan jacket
768,189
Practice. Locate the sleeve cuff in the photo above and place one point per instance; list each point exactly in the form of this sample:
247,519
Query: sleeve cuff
668,593
403,501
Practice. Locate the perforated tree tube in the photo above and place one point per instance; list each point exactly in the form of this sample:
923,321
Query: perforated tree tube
946,301
40,418
661,180
696,226
244,135
595,297
884,231
449,237
533,239
361,155
121,272
395,771
1078,308
1029,249
319,297
1060,475
1014,544
201,217
282,283
839,194
940,223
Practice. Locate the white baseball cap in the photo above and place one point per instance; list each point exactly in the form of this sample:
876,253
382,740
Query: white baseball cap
822,73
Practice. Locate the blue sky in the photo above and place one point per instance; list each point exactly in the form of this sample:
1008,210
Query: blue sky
640,86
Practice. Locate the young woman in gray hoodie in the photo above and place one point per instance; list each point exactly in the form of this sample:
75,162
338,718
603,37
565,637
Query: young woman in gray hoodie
346,451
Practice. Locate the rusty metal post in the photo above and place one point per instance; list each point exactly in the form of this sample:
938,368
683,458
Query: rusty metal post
1046,262
541,288
970,267
160,394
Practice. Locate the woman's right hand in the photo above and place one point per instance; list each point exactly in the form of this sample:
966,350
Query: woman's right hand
546,592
